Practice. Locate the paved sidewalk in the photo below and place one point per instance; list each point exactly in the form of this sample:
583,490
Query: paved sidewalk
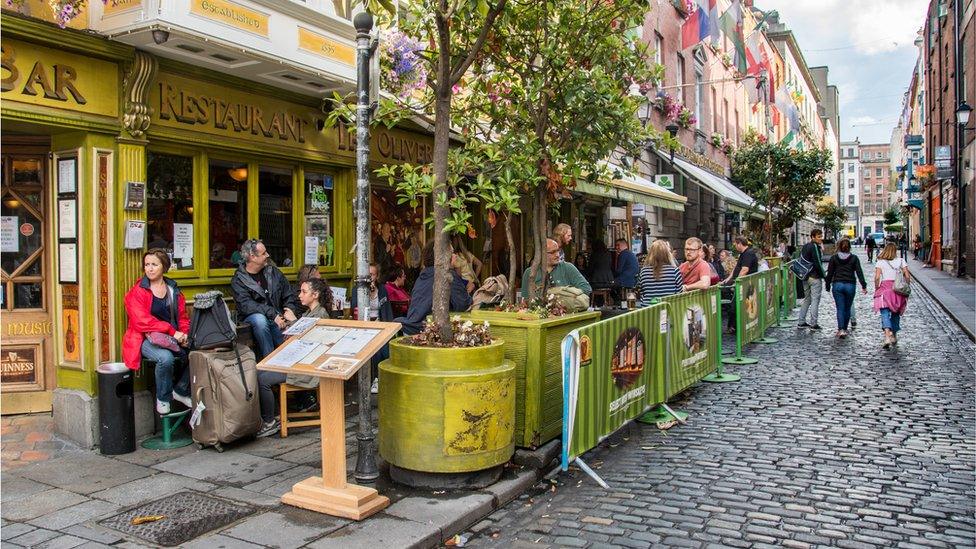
956,295
62,502
29,438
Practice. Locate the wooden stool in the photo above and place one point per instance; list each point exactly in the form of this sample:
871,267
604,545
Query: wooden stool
295,419
604,294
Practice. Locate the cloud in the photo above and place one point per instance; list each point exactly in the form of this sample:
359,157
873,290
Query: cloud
863,120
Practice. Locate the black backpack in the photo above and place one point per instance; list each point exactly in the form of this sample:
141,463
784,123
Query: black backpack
211,326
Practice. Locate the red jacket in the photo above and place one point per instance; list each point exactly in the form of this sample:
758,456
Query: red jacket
138,303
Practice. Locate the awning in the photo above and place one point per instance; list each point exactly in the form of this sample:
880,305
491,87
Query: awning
915,204
635,189
717,183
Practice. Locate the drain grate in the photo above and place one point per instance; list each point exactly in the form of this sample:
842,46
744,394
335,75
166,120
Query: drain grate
188,515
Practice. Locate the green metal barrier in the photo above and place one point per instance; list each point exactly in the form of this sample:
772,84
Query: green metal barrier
788,281
769,304
748,324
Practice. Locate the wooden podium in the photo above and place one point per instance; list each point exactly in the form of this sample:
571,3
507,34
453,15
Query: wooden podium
355,342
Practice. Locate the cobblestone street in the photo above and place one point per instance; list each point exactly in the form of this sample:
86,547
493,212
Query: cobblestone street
822,443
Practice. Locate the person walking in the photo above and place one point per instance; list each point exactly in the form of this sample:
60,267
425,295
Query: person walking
870,245
843,271
889,303
813,283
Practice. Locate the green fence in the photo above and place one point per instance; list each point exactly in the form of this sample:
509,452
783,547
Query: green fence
695,337
788,283
747,306
613,371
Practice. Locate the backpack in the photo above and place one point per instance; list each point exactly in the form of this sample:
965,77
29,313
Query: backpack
573,299
211,325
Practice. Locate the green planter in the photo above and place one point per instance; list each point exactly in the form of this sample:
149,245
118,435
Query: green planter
535,348
447,410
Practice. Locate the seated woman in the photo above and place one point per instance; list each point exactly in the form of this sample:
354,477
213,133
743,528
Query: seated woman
306,273
396,293
658,277
316,296
158,329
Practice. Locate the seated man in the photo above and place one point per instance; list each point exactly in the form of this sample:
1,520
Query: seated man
626,271
560,273
422,298
696,273
264,300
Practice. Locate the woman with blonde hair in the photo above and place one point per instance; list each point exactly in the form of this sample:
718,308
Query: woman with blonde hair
658,277
563,235
887,301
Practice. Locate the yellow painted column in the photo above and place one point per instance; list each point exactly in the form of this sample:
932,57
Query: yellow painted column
127,264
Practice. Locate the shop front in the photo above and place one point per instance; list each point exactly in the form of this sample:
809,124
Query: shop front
60,115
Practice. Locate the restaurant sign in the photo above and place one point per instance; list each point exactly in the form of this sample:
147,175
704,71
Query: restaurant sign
18,364
943,162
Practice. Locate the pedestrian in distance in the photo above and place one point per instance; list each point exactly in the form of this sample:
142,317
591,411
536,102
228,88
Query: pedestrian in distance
887,301
813,283
843,271
658,277
870,245
158,329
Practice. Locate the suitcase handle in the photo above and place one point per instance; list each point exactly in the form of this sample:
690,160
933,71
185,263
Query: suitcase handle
240,368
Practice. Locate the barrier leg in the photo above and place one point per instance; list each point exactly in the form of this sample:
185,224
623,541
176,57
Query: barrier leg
167,440
586,469
719,375
662,412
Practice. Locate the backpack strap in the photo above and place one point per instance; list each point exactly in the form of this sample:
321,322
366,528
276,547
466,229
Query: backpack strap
240,368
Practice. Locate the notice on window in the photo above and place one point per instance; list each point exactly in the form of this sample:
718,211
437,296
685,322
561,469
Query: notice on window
135,234
353,342
68,262
182,240
9,242
341,300
311,250
67,218
67,175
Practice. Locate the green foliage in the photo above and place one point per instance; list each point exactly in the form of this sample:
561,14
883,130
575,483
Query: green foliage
780,179
831,216
892,215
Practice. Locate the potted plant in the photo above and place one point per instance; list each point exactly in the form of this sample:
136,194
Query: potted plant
448,404
533,333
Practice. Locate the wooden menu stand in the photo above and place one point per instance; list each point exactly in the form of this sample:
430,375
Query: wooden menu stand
331,494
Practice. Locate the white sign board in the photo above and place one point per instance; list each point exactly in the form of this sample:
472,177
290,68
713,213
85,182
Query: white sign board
9,241
182,240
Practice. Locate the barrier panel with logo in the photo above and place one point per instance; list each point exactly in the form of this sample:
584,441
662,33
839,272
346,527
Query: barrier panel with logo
748,305
696,338
772,292
613,371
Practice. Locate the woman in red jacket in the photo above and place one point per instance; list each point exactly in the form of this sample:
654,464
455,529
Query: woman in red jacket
158,329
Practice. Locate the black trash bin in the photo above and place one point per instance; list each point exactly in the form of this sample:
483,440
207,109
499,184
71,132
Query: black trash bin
116,410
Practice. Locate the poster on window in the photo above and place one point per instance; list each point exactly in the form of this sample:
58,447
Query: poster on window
69,323
9,242
318,227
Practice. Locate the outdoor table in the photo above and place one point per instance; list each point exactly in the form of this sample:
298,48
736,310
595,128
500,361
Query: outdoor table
331,493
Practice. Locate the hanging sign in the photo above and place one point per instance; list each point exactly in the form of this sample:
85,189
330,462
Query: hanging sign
665,181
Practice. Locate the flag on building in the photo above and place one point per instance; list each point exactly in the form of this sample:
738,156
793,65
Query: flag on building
731,23
696,27
714,30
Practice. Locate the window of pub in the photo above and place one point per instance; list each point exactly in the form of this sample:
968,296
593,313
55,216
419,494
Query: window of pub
319,207
275,213
169,206
227,195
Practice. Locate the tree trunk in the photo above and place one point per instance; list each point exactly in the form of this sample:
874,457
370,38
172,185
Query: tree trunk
442,141
512,258
538,237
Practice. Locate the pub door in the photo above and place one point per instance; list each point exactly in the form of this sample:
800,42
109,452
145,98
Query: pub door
26,342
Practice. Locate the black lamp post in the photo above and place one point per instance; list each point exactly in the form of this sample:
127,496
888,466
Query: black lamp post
673,132
962,119
366,469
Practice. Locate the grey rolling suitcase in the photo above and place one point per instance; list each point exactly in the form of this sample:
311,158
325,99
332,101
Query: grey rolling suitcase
226,382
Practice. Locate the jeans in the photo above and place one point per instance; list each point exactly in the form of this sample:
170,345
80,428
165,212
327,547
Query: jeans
843,293
890,321
812,288
165,363
266,334
267,380
870,254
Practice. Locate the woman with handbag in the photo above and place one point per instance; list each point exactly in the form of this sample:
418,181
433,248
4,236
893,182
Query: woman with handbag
891,291
158,328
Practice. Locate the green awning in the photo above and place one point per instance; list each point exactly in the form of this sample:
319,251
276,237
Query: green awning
915,204
634,193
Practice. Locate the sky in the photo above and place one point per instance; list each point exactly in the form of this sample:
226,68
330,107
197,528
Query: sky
867,46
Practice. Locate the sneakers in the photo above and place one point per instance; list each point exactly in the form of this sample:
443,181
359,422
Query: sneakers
815,327
853,323
375,389
162,407
803,325
269,428
184,400
841,334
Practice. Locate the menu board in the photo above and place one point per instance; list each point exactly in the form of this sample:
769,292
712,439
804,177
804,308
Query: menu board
330,348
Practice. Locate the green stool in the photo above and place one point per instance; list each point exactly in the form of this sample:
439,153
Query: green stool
167,441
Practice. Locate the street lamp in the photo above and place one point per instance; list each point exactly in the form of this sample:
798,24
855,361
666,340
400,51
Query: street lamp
673,132
962,119
962,114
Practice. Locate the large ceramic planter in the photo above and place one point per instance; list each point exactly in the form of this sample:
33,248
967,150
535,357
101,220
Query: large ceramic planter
446,410
534,345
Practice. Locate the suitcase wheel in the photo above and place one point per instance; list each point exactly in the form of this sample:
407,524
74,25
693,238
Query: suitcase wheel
219,448
199,446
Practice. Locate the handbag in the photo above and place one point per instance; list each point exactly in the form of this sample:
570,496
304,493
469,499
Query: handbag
801,267
901,286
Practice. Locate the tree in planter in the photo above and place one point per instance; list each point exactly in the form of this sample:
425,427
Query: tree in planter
442,40
780,180
554,93
831,215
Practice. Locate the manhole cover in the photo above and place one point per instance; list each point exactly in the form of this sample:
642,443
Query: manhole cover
187,516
